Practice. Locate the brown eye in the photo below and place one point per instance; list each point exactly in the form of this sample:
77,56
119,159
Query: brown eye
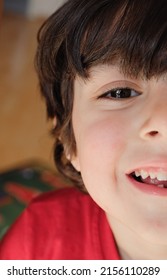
120,93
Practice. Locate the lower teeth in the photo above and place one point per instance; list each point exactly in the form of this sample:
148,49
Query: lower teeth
161,186
139,179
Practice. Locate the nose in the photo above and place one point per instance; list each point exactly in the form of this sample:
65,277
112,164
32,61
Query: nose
154,124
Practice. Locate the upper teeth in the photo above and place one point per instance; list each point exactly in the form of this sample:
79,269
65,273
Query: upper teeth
160,176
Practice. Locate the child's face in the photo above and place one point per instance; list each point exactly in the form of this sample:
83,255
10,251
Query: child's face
118,136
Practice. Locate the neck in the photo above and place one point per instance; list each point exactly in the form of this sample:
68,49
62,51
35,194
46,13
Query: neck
132,246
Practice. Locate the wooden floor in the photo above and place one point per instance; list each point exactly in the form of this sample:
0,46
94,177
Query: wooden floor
24,130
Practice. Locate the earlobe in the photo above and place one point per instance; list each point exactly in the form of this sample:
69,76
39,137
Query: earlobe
75,162
72,158
54,122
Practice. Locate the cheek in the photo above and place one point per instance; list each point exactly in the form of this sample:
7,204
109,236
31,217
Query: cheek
99,143
100,147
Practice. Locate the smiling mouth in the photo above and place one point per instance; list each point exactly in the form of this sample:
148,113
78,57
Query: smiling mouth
153,179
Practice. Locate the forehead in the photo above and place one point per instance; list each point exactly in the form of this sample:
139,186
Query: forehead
99,76
103,74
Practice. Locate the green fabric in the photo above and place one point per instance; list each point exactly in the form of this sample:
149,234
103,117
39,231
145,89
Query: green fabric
19,186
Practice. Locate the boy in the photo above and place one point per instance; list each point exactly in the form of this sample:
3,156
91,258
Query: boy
102,68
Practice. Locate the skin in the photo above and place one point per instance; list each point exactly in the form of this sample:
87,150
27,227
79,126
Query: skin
115,137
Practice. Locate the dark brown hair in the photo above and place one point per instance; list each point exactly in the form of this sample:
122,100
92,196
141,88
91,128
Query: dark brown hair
84,33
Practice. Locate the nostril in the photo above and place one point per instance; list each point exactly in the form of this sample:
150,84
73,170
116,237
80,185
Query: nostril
153,133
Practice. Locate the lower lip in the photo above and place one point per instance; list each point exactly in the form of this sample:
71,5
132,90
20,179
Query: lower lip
147,189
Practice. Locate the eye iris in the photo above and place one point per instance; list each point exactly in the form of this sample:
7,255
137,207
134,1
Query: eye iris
122,93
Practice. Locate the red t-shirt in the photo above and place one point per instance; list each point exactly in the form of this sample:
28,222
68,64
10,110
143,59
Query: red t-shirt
61,225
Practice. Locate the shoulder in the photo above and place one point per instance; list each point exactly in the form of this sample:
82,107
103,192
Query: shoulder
59,219
68,199
64,194
65,209
63,224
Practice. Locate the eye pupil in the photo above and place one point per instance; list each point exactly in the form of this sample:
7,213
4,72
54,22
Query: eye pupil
123,93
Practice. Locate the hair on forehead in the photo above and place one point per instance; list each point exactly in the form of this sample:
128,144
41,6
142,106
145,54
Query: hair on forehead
85,33
130,33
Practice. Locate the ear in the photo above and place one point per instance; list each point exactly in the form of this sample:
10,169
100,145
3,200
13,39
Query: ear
54,121
74,161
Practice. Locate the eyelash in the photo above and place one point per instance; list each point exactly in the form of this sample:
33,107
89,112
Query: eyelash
125,92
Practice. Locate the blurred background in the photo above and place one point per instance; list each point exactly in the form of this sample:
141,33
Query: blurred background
24,129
